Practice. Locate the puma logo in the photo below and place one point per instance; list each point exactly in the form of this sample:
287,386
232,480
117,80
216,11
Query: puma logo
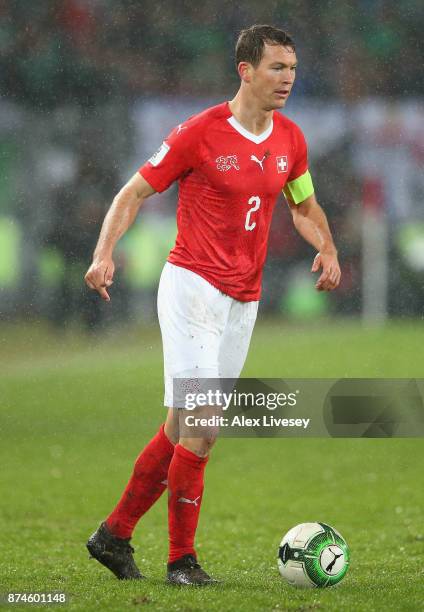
331,564
189,501
181,127
259,161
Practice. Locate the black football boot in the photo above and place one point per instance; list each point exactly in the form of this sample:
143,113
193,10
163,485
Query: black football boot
114,553
187,571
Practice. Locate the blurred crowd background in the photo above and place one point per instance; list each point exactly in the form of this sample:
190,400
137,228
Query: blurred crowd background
89,88
83,50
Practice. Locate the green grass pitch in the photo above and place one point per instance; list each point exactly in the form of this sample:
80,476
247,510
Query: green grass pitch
75,412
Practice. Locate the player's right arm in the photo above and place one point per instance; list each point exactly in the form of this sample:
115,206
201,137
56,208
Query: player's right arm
176,155
119,218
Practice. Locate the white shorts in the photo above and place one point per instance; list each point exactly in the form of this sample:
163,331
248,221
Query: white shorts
205,333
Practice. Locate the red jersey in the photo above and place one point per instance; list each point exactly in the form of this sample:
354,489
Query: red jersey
229,180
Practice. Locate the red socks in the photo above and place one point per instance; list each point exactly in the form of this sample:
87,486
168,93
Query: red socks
185,486
158,465
146,485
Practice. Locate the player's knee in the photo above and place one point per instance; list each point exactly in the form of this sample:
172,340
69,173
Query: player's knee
171,428
207,443
199,429
199,446
172,434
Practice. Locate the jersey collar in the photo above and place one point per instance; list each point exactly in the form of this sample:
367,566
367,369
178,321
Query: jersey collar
256,138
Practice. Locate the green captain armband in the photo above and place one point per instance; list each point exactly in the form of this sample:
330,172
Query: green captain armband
300,188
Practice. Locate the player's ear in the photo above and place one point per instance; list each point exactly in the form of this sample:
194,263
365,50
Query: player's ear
245,71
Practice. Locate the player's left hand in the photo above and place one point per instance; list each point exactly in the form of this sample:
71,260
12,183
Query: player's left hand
331,274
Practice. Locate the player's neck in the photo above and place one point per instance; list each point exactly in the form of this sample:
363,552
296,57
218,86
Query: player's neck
253,118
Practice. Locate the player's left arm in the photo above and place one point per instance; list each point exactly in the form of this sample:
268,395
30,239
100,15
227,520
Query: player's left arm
311,222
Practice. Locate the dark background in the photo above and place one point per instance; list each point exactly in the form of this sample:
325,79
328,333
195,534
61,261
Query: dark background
90,88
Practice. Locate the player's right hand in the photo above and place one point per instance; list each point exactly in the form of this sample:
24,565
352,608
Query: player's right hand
99,277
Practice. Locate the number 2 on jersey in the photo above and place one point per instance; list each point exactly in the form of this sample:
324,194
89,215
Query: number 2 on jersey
256,200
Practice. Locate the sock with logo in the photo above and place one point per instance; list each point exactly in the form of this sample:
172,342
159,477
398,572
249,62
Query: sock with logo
146,485
185,489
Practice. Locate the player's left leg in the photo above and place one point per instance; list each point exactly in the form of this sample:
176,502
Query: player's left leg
236,338
186,471
192,315
185,489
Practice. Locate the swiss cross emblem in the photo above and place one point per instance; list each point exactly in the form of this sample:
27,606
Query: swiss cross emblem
282,164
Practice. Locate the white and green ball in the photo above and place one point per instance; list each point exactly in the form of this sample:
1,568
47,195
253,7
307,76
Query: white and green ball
313,555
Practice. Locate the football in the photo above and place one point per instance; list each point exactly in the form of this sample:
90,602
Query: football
313,555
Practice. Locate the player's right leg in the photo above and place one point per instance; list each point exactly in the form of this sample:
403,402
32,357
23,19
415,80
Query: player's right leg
110,544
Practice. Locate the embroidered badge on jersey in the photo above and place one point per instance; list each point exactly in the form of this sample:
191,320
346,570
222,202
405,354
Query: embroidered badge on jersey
282,164
160,154
226,163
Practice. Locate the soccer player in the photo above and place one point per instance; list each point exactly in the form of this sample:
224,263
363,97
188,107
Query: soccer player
231,161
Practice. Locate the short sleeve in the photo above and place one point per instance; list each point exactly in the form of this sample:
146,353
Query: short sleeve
300,165
299,184
177,155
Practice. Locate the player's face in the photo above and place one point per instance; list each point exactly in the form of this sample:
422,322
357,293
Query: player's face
272,80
